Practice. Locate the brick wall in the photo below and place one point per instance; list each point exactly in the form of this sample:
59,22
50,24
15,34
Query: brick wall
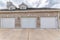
37,14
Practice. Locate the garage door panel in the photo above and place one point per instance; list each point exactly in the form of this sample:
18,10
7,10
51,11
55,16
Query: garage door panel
28,22
48,22
7,22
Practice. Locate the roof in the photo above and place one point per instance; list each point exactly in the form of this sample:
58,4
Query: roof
34,10
30,9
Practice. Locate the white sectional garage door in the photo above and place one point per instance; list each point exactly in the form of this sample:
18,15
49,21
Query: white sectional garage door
48,22
28,22
7,22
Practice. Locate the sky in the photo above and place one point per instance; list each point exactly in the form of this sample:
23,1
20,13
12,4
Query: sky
32,3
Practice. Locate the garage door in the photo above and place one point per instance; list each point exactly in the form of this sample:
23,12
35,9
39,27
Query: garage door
48,22
28,22
7,22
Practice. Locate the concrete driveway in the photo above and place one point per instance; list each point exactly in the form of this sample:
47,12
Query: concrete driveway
29,34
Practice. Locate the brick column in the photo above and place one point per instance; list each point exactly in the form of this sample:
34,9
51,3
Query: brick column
0,22
58,20
38,22
17,22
